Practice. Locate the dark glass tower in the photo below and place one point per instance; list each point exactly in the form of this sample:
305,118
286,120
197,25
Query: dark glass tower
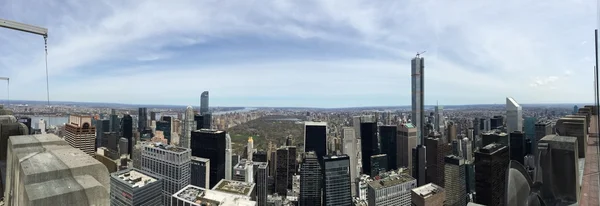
315,138
204,103
199,121
518,146
389,145
165,126
336,180
127,129
418,91
368,141
285,168
310,181
378,164
142,119
210,144
491,163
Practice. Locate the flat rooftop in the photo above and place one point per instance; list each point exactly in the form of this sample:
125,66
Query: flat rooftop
491,148
199,159
334,157
211,131
234,187
428,190
199,196
390,181
315,123
167,147
134,178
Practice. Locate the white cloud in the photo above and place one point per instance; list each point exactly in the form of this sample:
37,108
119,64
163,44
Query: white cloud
470,50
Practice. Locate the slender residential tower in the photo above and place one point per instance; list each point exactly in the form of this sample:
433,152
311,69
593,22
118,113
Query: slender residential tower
228,166
250,148
188,127
417,65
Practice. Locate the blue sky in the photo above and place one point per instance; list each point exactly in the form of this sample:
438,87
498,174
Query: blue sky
314,53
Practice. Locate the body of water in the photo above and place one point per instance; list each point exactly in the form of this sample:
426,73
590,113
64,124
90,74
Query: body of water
247,109
50,121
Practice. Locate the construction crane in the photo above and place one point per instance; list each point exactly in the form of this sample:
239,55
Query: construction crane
33,30
419,53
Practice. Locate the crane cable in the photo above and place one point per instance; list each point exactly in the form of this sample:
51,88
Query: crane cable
47,82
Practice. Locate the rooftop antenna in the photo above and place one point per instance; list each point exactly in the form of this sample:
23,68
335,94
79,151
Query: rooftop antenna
419,53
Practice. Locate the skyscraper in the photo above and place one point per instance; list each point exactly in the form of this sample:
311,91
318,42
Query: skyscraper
200,168
389,145
285,168
418,164
127,129
80,133
517,147
336,180
408,140
378,164
418,91
514,115
456,189
436,151
135,187
204,103
391,191
439,119
142,118
262,176
315,138
310,180
368,144
188,127
170,163
350,149
114,121
491,162
211,144
428,195
228,158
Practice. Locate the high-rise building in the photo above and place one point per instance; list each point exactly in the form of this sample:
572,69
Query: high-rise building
123,146
200,168
188,127
229,158
262,176
491,162
428,195
451,133
391,191
517,146
135,187
456,189
436,151
204,103
440,122
310,180
389,145
494,136
418,91
408,141
529,127
336,181
467,149
153,116
207,121
368,144
514,115
80,133
142,118
350,149
170,163
42,167
285,169
127,130
165,127
211,144
418,164
102,126
114,121
199,121
315,138
378,164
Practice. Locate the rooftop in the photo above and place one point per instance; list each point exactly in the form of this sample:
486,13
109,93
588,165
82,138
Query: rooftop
333,157
428,190
315,123
491,148
211,131
234,187
200,196
199,159
134,178
167,147
390,181
409,125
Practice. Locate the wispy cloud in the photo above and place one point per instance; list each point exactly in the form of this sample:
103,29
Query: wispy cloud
314,53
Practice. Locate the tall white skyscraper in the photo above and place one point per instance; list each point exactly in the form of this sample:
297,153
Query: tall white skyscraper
189,125
514,115
439,119
350,148
228,166
250,149
42,126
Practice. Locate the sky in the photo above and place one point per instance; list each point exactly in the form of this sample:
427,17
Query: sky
310,53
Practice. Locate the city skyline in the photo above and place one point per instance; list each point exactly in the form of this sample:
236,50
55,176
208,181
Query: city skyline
309,55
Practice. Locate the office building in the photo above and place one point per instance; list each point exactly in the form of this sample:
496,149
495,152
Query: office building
451,133
408,141
123,150
529,127
114,121
491,163
440,120
204,103
170,163
378,164
497,122
315,138
336,181
514,115
165,127
207,118
494,136
135,187
235,194
199,119
350,148
80,133
142,119
391,191
418,164
560,169
542,128
102,126
262,176
46,182
285,169
127,130
200,168
368,144
260,156
517,147
418,96
243,171
389,145
229,158
310,181
436,151
455,174
428,195
211,144
188,127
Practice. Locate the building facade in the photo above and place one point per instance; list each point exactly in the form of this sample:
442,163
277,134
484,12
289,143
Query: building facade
80,133
391,191
170,163
200,168
310,181
455,182
211,144
336,181
514,115
491,162
389,145
428,195
136,188
315,138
